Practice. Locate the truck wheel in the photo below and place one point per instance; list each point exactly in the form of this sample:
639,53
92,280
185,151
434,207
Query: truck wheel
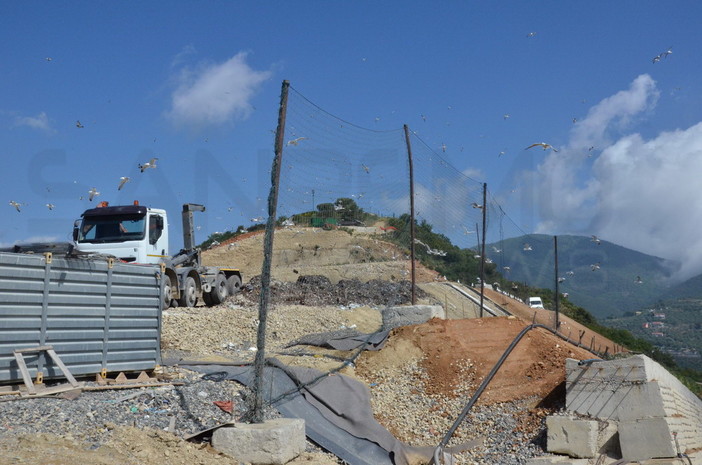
188,298
166,292
219,291
233,284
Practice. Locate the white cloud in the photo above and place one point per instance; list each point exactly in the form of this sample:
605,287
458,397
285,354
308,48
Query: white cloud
215,94
638,193
40,122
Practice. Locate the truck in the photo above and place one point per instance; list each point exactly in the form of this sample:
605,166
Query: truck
139,235
535,302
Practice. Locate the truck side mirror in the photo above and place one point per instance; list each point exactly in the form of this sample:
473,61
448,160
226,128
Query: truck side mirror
76,226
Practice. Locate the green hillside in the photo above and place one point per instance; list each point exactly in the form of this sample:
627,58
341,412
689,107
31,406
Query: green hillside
674,326
610,290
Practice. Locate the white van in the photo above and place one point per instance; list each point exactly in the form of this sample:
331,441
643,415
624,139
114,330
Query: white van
535,302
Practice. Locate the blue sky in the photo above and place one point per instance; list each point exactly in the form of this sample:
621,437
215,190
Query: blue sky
197,85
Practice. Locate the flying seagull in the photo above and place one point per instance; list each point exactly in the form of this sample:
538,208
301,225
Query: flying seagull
595,267
527,247
79,125
149,164
596,240
296,141
543,145
17,205
365,168
50,206
122,181
638,280
92,193
476,205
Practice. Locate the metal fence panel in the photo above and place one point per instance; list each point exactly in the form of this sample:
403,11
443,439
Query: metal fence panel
96,314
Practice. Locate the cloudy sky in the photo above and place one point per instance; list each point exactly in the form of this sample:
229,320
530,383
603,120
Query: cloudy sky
91,90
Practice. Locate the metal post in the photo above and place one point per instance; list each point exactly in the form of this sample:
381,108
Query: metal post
482,252
555,260
411,191
259,361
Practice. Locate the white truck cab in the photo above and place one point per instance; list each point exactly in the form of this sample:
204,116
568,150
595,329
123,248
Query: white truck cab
132,233
139,235
535,302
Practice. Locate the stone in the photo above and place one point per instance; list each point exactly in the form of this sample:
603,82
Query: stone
273,442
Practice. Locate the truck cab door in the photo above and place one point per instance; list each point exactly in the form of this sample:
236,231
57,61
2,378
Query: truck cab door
157,235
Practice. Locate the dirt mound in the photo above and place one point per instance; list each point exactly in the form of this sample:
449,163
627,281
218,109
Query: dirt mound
336,254
454,353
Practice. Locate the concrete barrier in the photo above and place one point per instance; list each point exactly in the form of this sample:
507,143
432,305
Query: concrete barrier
655,414
394,317
273,442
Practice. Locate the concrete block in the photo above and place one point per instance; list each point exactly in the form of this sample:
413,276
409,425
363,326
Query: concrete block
572,436
273,442
646,438
394,317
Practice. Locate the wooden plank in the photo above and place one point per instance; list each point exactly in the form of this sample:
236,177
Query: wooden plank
63,367
25,373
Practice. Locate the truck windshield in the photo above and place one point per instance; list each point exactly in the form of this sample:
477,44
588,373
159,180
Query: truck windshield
112,228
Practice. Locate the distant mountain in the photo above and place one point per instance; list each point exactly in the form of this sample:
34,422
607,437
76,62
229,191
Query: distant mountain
690,289
622,279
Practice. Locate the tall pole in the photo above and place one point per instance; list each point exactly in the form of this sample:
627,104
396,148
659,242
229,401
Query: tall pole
259,361
555,265
411,191
482,251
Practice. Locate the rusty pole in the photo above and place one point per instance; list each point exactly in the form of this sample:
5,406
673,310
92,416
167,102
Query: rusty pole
259,361
482,252
411,191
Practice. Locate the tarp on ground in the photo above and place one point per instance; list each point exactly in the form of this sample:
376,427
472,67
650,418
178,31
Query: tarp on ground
336,409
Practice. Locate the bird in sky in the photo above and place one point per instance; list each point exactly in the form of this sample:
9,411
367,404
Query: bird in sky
48,58
507,269
443,147
531,34
595,267
527,247
50,206
79,125
570,273
467,231
660,56
500,154
543,145
149,164
17,205
476,205
92,193
365,168
496,249
561,279
596,240
296,141
122,181
506,116
638,280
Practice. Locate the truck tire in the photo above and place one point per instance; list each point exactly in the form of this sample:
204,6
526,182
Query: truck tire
188,297
233,284
218,293
166,292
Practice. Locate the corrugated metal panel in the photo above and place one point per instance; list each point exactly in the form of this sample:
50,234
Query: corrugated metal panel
94,315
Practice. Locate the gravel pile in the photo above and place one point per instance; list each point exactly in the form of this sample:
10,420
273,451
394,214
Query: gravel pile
507,433
186,408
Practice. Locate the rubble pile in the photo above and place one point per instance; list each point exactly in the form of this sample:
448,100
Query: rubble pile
315,290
